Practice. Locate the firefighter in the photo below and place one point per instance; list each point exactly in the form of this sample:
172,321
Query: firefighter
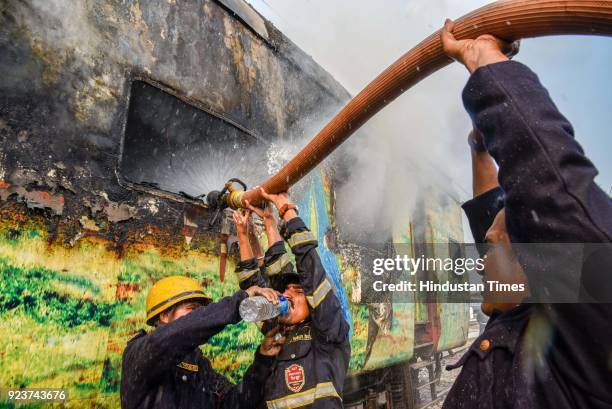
311,367
250,271
533,355
166,369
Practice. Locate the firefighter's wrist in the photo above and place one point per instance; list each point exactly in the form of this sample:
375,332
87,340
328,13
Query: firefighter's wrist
263,351
265,356
280,201
486,57
290,214
288,211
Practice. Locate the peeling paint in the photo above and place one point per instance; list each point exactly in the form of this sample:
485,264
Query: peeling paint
118,212
152,206
23,176
42,199
94,206
35,199
89,224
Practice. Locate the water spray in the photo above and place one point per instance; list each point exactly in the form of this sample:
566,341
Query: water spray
221,201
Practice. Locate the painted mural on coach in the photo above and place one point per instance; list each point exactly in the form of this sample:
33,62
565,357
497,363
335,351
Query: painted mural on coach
116,119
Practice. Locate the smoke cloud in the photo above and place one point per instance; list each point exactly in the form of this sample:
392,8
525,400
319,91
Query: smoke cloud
417,141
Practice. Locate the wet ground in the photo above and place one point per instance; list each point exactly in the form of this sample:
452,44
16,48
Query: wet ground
448,377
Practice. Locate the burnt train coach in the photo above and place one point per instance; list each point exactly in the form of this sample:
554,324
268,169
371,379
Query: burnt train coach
115,119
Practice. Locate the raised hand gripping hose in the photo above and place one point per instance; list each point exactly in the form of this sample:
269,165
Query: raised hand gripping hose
507,19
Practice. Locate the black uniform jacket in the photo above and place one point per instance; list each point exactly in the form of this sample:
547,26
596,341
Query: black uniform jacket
310,370
166,369
539,355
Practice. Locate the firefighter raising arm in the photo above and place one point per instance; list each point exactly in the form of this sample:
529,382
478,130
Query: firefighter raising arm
324,306
276,261
247,270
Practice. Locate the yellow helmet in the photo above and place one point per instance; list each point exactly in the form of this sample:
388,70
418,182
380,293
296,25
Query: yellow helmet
170,291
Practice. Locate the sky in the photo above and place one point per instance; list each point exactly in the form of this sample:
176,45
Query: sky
354,40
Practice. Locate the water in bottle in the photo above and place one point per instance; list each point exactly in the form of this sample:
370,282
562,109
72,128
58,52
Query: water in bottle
255,309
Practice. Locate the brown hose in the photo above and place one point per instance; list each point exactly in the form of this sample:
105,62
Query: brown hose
507,19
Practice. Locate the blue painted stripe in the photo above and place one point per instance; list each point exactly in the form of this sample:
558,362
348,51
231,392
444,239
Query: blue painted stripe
328,258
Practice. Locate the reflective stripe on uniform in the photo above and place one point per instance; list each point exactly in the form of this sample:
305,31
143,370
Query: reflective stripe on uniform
307,397
319,294
301,238
278,265
243,275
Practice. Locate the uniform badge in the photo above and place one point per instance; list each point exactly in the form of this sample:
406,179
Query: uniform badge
189,367
294,377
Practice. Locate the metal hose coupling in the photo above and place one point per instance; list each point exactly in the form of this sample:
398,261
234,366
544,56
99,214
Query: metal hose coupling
229,196
234,199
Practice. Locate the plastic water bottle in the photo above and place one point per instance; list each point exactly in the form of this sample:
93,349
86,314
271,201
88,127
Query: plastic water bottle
258,308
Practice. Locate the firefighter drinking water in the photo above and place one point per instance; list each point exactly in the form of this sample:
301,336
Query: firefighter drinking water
310,369
166,369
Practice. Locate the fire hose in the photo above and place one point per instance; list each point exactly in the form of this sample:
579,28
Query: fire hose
509,20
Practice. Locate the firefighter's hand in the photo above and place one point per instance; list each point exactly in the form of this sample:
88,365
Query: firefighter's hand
272,343
241,219
266,214
484,50
270,294
278,200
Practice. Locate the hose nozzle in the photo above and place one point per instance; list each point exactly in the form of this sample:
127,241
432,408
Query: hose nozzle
228,196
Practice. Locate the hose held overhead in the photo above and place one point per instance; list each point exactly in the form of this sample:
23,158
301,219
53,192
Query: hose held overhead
507,19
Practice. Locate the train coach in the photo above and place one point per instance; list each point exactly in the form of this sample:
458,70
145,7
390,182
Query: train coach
115,119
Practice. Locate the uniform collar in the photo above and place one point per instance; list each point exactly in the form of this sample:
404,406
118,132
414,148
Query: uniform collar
503,330
296,327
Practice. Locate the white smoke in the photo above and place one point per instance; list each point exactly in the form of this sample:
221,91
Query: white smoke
419,140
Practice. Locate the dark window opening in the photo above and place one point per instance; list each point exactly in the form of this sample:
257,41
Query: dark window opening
176,147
